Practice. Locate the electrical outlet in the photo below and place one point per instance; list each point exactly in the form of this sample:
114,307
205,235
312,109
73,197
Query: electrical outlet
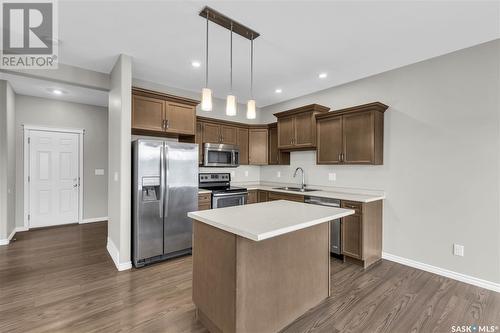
246,173
332,176
233,173
458,250
99,172
278,174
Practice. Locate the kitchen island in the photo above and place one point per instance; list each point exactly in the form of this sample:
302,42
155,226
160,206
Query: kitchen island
258,267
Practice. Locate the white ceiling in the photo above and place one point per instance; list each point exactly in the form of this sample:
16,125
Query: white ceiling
299,39
43,88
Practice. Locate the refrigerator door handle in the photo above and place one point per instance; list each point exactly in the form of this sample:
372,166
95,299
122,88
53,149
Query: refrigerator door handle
165,182
162,182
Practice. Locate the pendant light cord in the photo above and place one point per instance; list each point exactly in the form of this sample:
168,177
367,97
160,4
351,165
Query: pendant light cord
231,59
251,68
206,57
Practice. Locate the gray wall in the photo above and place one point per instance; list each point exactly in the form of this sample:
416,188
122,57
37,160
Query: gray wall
7,161
441,160
119,159
54,113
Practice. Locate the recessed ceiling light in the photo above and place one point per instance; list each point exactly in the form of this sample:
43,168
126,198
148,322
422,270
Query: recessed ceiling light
322,75
195,64
57,92
278,91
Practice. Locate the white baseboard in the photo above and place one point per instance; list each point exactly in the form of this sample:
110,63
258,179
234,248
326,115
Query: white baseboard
115,255
443,272
21,229
94,219
8,239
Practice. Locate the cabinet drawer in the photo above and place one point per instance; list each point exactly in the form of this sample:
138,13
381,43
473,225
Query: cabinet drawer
357,206
204,206
204,197
285,196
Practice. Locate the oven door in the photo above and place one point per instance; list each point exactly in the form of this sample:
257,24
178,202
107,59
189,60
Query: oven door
229,200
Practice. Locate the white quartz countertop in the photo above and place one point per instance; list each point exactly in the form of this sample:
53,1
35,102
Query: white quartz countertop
265,220
359,197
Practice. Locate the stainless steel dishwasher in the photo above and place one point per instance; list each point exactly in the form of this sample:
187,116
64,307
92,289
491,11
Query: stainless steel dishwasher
335,225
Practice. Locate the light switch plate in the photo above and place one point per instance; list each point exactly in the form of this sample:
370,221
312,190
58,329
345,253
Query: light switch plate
233,173
332,176
458,250
246,173
116,176
99,172
278,174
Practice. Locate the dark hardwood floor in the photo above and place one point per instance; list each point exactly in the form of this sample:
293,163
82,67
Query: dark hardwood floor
62,280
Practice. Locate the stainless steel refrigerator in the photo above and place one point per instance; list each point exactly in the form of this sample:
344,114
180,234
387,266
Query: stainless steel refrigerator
164,190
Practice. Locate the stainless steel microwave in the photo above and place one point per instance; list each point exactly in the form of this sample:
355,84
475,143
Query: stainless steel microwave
220,155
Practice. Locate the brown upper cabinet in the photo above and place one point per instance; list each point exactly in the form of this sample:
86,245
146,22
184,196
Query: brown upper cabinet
276,156
210,130
258,146
297,127
216,133
162,114
351,136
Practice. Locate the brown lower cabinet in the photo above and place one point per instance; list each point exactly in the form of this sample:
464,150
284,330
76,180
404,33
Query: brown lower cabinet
362,232
262,196
252,196
204,201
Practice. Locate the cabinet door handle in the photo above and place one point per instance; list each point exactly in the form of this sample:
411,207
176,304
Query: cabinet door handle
166,123
340,157
163,124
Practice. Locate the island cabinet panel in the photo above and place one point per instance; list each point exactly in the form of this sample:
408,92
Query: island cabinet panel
214,277
257,146
252,197
242,286
362,232
242,142
351,136
162,114
297,127
269,304
147,113
276,156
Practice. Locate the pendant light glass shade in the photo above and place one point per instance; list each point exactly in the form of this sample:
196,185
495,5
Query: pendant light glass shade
206,99
231,105
251,114
206,93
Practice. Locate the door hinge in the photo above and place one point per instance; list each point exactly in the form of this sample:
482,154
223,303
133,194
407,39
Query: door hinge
29,140
29,217
29,178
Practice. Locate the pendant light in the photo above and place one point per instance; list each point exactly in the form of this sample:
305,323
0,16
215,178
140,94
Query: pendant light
206,93
231,99
251,114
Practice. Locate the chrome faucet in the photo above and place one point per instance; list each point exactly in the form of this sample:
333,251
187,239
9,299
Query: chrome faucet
303,187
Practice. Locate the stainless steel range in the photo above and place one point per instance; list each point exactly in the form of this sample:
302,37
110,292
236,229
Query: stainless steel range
223,194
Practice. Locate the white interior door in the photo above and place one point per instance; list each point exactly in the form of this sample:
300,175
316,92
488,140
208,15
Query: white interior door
53,178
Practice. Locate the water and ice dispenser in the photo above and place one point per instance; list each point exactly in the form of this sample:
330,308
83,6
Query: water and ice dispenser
150,188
